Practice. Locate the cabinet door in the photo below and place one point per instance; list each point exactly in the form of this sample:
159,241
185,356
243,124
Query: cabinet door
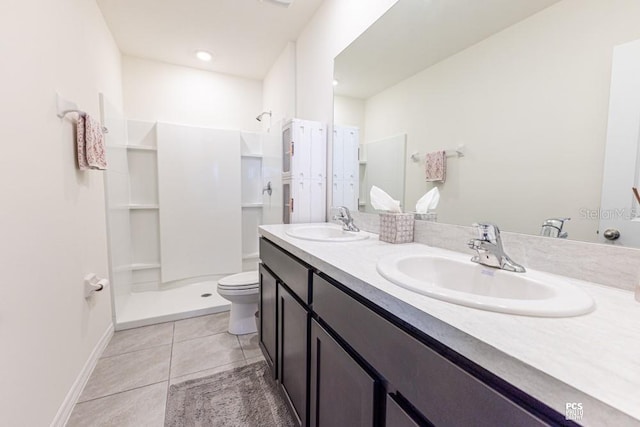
350,195
268,320
301,201
318,201
318,155
293,321
396,416
351,143
342,393
301,157
337,195
338,156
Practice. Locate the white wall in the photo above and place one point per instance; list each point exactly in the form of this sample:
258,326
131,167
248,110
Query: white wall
348,111
157,91
279,97
52,219
530,103
334,26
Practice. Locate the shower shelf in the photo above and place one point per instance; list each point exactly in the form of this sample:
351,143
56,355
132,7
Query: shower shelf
141,148
142,206
252,205
252,156
142,266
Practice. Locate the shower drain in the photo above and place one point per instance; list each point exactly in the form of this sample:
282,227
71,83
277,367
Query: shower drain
205,295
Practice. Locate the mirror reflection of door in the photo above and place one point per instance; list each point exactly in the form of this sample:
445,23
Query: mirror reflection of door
620,211
346,144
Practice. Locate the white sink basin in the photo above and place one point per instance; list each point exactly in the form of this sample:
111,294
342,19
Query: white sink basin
325,233
464,282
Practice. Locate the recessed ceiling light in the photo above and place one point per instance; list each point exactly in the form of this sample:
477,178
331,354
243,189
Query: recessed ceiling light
203,55
335,82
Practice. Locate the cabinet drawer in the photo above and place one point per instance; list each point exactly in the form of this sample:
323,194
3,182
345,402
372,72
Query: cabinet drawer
443,392
288,269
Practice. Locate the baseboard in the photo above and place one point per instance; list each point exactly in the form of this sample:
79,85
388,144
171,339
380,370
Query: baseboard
72,397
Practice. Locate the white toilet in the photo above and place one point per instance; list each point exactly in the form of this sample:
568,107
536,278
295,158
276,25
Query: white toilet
242,290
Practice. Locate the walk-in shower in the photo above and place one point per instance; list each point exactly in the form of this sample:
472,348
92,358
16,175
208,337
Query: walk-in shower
183,208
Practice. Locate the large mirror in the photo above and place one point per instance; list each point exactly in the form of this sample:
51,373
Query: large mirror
517,95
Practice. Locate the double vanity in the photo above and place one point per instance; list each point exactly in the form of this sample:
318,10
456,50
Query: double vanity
360,332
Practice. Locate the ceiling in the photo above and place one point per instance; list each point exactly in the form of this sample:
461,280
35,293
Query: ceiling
415,34
244,36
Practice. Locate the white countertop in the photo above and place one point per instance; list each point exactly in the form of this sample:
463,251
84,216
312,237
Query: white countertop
592,359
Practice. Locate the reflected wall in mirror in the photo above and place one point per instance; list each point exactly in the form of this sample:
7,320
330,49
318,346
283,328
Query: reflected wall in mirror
523,85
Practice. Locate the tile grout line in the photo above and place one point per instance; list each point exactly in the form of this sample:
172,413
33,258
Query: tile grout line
166,401
134,351
244,356
201,336
206,369
120,392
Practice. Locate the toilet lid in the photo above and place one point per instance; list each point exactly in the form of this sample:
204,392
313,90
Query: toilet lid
247,279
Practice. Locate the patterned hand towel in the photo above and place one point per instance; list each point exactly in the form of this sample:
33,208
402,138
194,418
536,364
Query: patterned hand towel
90,144
81,145
436,166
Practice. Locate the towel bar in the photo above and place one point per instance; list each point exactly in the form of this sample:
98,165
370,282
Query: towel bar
457,152
65,107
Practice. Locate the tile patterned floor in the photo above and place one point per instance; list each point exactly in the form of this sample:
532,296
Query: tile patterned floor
130,383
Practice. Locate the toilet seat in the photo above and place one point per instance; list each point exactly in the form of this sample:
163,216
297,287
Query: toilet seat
238,287
245,280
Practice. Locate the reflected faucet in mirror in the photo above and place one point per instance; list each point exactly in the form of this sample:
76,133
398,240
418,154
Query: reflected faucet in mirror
490,250
344,217
552,227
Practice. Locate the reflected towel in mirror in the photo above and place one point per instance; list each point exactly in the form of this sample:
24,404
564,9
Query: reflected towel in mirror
436,166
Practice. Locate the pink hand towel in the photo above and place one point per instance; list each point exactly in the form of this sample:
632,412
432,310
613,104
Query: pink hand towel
90,144
436,166
81,145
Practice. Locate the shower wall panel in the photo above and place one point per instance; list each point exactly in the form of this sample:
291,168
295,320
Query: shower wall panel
200,201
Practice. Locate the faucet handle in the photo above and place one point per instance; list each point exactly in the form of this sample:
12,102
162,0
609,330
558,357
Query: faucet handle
487,231
343,212
552,227
556,222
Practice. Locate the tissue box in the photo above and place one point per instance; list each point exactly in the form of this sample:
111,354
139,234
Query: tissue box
396,227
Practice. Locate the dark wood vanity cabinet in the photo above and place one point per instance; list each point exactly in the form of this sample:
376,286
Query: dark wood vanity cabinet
267,325
293,328
342,393
342,361
284,323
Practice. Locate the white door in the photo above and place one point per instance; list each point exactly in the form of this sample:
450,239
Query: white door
619,209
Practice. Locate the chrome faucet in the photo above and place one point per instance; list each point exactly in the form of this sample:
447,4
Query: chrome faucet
344,216
490,250
552,227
